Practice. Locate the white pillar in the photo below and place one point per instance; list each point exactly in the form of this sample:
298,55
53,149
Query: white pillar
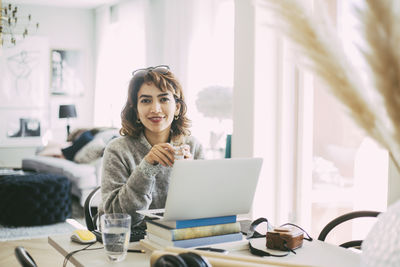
243,90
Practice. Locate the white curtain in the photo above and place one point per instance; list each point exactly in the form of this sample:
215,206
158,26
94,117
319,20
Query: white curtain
121,48
169,32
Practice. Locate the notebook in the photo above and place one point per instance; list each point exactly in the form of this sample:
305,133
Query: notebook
209,188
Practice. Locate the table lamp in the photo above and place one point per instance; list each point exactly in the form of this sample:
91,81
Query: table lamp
67,111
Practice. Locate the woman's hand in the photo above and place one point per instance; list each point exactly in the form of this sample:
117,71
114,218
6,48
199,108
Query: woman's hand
161,153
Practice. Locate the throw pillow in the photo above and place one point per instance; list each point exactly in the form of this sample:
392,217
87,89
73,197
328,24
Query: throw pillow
91,151
75,134
69,152
108,135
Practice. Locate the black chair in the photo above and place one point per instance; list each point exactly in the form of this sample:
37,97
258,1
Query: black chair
91,219
344,218
91,214
24,258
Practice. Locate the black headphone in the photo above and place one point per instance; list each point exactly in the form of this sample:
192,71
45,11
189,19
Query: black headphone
188,259
24,258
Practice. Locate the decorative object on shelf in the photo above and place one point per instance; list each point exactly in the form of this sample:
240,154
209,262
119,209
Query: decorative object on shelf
13,25
27,127
67,111
373,102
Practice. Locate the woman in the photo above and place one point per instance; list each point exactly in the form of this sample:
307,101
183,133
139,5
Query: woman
137,166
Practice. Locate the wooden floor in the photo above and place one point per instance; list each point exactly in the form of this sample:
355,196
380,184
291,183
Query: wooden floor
43,254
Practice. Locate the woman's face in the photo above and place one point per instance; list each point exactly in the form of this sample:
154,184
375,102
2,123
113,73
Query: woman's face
156,109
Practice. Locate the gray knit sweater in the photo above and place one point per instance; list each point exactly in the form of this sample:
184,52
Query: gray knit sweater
129,182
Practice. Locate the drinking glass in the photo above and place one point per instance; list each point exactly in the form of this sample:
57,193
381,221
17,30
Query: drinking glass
179,152
116,231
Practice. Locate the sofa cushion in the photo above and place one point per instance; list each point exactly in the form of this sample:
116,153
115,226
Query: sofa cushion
107,135
95,148
91,151
74,135
69,152
53,149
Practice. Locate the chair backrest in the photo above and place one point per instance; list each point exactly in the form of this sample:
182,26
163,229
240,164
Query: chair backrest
344,218
24,258
90,211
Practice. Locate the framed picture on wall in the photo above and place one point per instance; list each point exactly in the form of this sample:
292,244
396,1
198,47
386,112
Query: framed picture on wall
24,75
66,72
24,83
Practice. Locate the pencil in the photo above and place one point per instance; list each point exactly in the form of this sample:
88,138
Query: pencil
137,250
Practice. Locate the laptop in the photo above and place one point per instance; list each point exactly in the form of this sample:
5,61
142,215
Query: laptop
209,188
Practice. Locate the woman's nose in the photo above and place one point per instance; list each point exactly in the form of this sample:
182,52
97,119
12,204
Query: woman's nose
156,107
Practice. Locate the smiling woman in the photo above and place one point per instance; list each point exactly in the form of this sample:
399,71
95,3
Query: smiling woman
156,110
137,166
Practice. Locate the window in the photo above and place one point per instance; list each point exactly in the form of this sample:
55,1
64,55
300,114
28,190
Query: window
348,167
210,75
317,163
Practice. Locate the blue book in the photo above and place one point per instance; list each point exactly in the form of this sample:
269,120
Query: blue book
192,232
196,222
195,242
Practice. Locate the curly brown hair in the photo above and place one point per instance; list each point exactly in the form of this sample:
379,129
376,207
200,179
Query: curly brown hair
164,81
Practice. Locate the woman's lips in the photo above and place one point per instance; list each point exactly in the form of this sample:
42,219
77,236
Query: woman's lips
155,119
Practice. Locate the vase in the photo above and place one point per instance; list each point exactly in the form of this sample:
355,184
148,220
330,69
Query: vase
381,247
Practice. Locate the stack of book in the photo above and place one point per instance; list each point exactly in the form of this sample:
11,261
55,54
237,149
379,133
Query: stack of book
192,233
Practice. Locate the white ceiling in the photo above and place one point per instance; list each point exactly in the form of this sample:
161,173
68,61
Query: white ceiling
63,3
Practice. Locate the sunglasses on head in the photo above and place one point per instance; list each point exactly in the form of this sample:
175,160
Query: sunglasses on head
161,69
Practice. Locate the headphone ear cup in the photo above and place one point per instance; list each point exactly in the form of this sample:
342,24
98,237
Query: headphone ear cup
194,260
252,229
169,260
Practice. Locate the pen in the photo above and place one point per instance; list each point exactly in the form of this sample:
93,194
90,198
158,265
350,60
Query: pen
137,250
213,249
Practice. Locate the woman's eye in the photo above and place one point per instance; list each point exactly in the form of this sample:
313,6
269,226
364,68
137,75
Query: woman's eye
145,101
164,99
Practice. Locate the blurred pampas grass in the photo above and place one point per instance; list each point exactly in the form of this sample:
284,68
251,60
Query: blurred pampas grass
321,51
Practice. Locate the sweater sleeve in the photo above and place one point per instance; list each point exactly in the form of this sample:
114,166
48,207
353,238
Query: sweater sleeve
126,187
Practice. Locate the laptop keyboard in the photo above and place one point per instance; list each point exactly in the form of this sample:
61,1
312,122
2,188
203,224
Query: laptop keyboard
137,234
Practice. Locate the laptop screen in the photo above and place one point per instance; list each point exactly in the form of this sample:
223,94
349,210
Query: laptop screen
210,188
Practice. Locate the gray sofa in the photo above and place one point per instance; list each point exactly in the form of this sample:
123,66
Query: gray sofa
84,170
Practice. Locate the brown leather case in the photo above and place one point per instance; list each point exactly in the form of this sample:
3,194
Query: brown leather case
284,238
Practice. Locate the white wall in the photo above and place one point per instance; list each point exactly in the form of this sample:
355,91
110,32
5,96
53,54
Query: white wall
68,28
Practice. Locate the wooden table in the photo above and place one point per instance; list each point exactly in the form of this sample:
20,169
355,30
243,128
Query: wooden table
315,253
